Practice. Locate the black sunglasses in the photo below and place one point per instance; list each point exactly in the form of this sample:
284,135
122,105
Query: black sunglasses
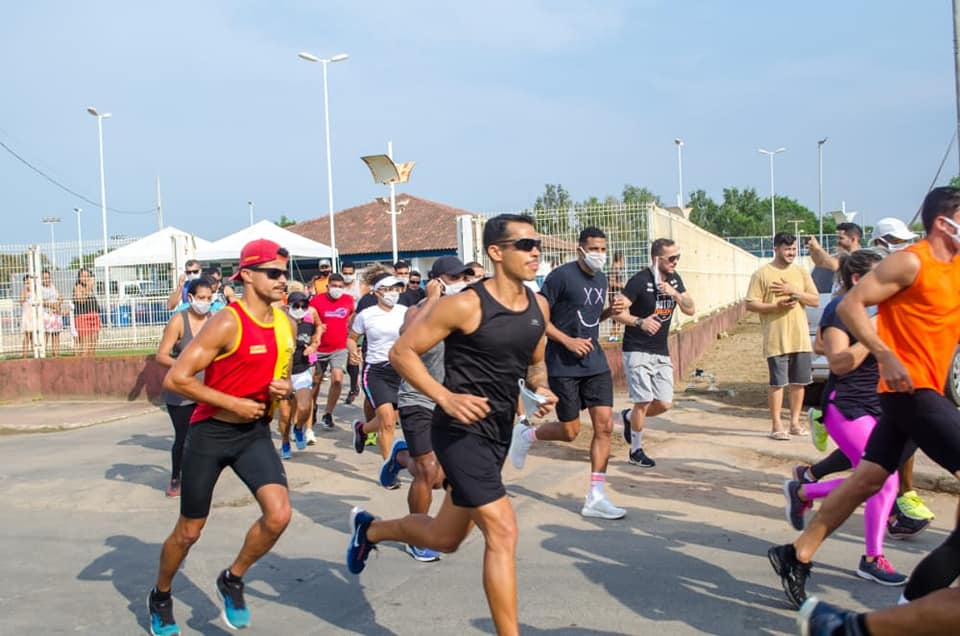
299,305
671,259
193,271
273,273
522,244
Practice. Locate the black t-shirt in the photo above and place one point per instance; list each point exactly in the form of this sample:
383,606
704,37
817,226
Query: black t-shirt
855,392
641,290
411,297
576,301
305,331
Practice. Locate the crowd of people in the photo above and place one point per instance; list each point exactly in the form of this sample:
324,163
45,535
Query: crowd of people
462,363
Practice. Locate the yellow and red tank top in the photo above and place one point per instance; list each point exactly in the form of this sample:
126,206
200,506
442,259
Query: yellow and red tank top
922,322
261,353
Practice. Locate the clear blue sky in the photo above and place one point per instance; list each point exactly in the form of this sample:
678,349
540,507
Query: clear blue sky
492,100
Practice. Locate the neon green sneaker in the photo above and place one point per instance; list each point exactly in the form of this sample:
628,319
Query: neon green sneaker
911,505
371,439
818,432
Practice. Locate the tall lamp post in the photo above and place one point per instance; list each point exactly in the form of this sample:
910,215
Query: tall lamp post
103,209
250,210
820,184
386,171
79,239
679,143
52,221
773,196
309,57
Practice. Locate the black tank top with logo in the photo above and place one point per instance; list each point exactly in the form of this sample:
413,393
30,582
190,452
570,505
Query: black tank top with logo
305,331
489,361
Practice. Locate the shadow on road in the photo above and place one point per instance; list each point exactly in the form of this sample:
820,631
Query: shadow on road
144,474
153,442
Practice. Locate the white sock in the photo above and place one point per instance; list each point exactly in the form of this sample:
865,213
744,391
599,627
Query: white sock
596,485
530,434
636,440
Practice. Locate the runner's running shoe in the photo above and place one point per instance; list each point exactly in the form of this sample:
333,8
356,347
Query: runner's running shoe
358,436
912,505
162,622
795,507
359,548
900,526
793,574
880,571
299,438
601,508
391,467
326,422
235,612
285,451
817,618
371,439
351,396
423,555
311,437
173,490
639,458
818,432
627,432
800,474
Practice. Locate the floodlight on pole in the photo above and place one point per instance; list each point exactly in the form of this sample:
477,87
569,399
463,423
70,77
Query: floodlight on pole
52,221
339,57
773,196
250,210
103,209
385,171
820,184
79,238
679,143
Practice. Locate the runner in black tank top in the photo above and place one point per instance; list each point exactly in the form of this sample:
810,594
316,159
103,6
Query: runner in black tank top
494,336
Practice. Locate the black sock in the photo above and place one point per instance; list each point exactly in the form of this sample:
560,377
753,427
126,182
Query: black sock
862,625
230,577
160,596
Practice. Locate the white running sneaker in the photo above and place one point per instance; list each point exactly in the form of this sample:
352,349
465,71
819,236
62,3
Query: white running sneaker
519,446
601,508
311,438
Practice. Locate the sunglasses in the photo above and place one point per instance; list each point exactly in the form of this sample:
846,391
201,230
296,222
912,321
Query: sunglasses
273,273
671,259
299,305
523,244
193,271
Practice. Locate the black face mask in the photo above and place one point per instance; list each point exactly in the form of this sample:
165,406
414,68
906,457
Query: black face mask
324,273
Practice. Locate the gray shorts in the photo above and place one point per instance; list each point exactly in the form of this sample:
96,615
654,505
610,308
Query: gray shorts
333,360
790,368
649,376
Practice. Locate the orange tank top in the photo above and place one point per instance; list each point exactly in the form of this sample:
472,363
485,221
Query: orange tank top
922,322
260,354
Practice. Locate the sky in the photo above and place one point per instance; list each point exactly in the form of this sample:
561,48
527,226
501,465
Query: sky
493,100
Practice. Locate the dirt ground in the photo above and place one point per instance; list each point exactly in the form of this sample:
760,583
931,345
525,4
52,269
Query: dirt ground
737,367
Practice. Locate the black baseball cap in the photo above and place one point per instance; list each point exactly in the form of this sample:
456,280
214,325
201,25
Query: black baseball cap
294,297
449,265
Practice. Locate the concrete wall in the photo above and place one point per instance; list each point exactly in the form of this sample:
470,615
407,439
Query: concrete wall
140,377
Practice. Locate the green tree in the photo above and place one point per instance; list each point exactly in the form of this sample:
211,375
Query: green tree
954,182
551,211
285,222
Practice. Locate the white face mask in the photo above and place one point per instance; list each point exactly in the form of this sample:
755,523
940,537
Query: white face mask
594,260
193,276
956,234
335,292
348,278
390,298
450,289
297,314
202,307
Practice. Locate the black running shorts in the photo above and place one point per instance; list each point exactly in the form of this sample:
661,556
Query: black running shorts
416,422
381,383
213,445
922,419
472,466
576,394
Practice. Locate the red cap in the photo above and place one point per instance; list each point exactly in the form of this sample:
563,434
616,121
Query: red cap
256,252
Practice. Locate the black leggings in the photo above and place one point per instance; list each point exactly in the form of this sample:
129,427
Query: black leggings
835,462
180,416
354,371
938,570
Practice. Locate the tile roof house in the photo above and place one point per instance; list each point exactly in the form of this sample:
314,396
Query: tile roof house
424,229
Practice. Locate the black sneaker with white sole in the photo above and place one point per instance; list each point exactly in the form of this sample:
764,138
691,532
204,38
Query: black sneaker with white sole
359,437
900,526
793,574
326,422
639,458
625,416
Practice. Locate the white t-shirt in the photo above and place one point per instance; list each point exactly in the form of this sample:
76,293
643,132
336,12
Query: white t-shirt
382,328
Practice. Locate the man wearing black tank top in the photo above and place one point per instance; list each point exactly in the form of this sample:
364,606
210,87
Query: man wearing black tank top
494,335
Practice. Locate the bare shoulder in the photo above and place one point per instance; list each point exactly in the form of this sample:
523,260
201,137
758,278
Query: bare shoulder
900,267
544,304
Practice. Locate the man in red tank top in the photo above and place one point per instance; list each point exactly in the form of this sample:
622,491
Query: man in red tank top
245,351
917,291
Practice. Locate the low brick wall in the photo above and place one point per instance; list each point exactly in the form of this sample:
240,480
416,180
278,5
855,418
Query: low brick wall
140,377
687,344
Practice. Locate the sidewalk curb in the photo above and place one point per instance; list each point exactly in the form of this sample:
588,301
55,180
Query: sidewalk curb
7,428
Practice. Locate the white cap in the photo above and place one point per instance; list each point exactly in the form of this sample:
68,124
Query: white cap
893,228
388,281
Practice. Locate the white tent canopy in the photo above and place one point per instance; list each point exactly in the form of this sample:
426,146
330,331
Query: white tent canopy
168,245
228,248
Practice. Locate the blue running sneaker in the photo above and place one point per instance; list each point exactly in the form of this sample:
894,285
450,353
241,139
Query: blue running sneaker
285,451
235,612
359,548
299,438
423,555
162,622
817,618
391,467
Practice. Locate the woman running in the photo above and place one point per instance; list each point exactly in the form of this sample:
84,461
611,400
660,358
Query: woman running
300,409
850,413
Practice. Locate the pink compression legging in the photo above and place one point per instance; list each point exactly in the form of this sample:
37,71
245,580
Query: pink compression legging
851,436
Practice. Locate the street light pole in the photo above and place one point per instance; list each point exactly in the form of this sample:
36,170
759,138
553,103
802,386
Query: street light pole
773,196
393,206
679,143
309,57
52,221
820,184
103,209
250,209
79,239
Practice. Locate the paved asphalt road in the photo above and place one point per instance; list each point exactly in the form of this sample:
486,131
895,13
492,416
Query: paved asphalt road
84,516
